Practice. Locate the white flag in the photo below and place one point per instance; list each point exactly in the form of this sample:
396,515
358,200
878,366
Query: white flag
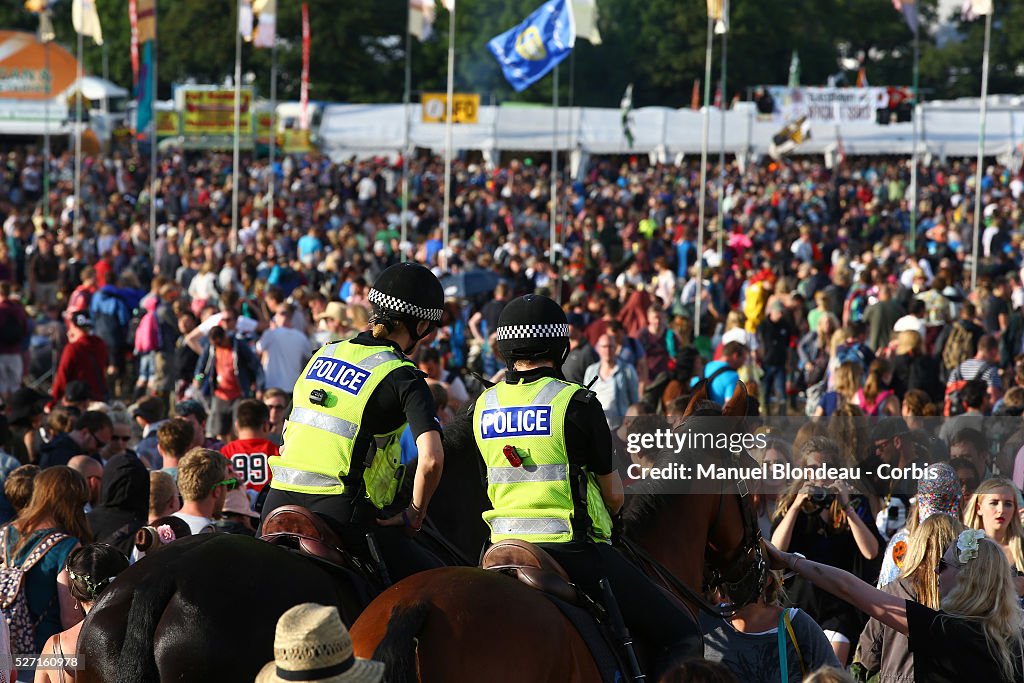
85,20
975,8
449,5
266,11
585,15
245,19
421,18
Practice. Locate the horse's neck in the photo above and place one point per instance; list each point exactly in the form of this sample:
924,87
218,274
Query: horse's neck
677,537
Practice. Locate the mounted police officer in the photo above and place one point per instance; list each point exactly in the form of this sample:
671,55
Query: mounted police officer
341,455
547,450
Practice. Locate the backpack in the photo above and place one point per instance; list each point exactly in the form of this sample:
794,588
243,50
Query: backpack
959,346
850,353
13,603
814,394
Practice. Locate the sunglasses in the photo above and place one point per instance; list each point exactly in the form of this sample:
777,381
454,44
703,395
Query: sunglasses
229,484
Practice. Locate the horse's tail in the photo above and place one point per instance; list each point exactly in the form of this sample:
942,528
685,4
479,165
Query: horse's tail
137,661
398,647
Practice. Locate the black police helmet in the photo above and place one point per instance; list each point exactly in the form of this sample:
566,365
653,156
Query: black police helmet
407,291
533,327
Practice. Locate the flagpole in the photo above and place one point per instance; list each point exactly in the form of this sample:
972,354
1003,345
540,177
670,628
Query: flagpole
721,152
406,98
978,197
46,133
273,131
553,239
448,138
913,156
77,225
235,160
703,180
153,139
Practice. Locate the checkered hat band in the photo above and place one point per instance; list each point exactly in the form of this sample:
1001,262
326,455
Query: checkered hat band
397,305
548,331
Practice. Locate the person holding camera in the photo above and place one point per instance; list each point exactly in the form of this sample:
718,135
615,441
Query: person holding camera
820,520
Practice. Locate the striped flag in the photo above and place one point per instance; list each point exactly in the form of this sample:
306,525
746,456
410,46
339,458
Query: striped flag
266,28
421,18
908,8
146,20
790,137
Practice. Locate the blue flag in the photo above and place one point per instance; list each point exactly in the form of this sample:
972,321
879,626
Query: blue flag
529,51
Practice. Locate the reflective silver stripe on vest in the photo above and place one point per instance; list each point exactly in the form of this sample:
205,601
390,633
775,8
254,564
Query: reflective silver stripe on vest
546,395
491,400
529,526
526,473
287,475
371,361
328,423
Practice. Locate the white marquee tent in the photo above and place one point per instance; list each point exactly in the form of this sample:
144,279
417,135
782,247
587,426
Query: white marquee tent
947,129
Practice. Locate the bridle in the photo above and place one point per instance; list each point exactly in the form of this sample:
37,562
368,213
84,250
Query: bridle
745,578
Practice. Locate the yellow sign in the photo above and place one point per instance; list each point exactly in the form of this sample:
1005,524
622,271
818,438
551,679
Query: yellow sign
465,107
295,141
166,124
263,124
212,112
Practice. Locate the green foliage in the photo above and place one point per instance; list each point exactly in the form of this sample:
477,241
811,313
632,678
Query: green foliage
358,48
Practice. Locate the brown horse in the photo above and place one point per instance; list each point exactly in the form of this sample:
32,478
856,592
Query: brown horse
453,625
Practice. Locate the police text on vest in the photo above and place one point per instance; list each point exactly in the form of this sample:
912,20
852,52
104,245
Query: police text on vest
338,373
516,421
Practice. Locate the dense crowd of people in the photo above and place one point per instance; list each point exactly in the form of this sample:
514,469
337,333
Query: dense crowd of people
146,384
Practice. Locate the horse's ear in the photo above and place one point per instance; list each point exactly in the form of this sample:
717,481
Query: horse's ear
700,393
736,406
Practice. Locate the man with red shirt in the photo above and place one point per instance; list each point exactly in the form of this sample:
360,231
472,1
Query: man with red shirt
84,358
249,452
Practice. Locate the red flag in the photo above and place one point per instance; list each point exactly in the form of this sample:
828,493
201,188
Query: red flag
695,96
133,19
304,84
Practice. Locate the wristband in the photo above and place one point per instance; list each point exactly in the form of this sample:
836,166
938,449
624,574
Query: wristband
796,558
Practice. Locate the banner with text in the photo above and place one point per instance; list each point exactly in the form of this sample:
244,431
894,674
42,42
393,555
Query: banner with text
212,112
465,107
828,105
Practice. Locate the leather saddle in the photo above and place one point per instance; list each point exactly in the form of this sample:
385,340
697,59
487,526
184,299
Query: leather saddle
533,566
296,527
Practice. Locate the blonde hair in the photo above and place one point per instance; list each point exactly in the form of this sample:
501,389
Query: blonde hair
984,594
848,378
829,674
161,490
909,341
199,471
1015,534
925,548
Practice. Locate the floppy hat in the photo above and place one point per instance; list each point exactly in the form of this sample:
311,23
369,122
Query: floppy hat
311,644
237,503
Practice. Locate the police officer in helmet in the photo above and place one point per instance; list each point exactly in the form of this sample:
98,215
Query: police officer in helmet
341,455
547,450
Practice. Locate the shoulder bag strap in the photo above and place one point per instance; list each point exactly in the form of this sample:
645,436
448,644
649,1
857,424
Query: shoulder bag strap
42,548
796,645
783,659
4,533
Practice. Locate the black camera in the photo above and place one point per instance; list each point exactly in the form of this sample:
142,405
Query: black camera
820,497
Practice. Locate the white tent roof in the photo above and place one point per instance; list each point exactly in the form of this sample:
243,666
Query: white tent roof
946,129
96,89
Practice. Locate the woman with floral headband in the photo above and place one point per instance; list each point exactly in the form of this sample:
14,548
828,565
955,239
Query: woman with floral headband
993,507
980,628
91,569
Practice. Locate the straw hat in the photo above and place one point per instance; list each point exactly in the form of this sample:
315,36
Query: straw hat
311,644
